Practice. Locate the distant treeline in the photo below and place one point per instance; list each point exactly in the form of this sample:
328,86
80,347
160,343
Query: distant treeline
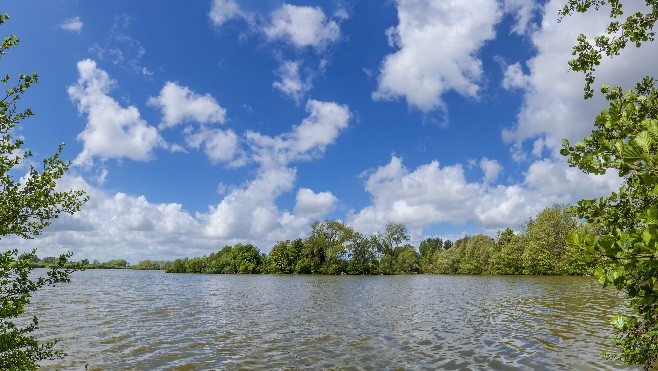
51,261
334,248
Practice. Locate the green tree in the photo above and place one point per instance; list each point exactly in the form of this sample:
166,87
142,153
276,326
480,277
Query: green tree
475,255
26,208
504,237
447,244
245,259
447,261
177,266
284,257
386,243
406,260
150,265
393,236
509,259
362,255
326,248
545,240
428,248
624,244
115,263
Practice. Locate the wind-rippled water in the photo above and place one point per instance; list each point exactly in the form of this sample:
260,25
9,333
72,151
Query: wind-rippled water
149,320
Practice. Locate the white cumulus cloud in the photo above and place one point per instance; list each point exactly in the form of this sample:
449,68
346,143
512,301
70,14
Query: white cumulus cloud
491,169
432,194
309,203
112,131
307,140
291,81
223,11
179,104
438,44
302,26
221,146
553,106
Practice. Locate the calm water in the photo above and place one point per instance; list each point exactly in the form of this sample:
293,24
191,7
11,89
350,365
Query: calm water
145,320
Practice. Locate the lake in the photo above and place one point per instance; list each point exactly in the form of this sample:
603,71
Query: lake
149,320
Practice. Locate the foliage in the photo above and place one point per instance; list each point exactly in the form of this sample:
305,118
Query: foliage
362,256
19,350
509,259
545,238
475,255
284,256
624,242
151,265
540,249
428,248
637,28
334,248
26,208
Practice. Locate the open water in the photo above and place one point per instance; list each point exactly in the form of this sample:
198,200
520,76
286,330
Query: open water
150,320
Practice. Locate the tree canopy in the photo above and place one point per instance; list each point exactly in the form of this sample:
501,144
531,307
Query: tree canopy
623,236
26,208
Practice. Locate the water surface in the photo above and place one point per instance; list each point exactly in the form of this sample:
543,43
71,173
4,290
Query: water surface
149,320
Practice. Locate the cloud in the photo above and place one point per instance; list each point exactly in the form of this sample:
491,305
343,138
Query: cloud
221,146
514,77
432,195
250,212
179,104
302,26
553,106
309,203
291,82
523,11
72,24
491,169
112,131
438,43
553,177
306,141
223,11
112,226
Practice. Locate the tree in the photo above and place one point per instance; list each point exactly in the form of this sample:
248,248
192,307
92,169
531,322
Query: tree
545,238
392,237
509,259
245,259
363,257
475,255
406,260
326,246
624,244
428,248
26,208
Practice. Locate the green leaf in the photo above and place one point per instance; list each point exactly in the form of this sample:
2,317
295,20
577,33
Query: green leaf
618,321
632,153
573,239
643,140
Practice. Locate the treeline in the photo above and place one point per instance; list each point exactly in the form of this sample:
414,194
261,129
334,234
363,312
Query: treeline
51,261
334,248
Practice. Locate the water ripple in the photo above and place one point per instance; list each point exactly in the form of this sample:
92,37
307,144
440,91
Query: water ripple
136,320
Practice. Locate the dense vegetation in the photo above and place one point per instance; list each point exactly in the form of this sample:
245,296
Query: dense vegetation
334,248
623,242
27,206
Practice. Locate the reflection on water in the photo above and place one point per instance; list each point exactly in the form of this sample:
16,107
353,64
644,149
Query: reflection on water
145,320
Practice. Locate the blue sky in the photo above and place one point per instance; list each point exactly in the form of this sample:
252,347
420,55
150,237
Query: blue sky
193,125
